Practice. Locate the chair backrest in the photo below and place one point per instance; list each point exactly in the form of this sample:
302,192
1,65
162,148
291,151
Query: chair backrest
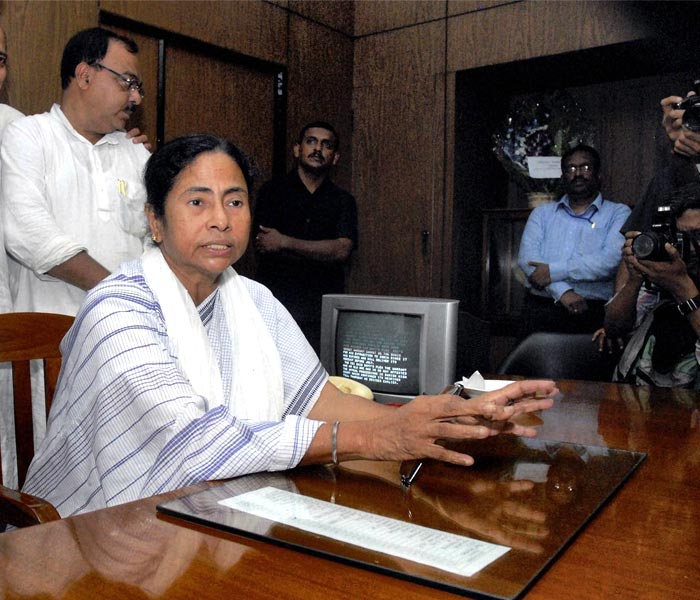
558,356
25,337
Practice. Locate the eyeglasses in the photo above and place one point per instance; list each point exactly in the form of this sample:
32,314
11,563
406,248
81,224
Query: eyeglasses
584,168
3,59
128,83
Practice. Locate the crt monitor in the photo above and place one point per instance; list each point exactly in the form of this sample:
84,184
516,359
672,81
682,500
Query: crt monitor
399,347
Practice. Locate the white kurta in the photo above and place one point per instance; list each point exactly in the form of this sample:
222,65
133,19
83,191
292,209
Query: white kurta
7,435
7,115
61,194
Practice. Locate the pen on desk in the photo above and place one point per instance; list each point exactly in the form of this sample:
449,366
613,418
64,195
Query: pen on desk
408,478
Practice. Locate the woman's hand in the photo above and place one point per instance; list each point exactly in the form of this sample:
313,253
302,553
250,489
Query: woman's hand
414,430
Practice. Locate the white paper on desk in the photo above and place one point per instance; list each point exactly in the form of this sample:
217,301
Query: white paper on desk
439,549
544,167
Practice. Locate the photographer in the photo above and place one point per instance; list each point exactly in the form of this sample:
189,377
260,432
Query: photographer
681,170
659,301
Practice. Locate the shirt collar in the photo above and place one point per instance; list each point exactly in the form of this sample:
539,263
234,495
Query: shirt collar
296,179
108,138
592,207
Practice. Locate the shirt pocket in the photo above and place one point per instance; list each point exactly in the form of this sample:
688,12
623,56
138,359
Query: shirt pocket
131,197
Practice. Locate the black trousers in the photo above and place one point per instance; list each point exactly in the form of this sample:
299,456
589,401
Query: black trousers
542,314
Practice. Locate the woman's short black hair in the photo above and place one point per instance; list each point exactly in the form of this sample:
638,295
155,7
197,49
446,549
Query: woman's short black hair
166,163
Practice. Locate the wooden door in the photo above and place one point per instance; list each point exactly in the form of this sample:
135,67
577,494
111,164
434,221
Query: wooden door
193,87
206,94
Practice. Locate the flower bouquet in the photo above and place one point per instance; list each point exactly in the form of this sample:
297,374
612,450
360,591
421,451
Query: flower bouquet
545,125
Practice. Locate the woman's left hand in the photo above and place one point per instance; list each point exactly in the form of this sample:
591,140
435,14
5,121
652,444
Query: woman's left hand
414,429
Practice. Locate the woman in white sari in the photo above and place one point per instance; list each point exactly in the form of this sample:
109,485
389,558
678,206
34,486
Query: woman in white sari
178,370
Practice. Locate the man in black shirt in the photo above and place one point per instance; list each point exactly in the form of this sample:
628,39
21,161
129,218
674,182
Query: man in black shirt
305,230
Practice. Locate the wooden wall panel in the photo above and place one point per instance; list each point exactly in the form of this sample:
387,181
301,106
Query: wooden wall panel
254,28
338,15
382,15
36,34
227,100
529,29
320,86
398,166
395,186
400,56
459,7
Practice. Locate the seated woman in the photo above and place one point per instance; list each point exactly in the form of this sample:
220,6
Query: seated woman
178,370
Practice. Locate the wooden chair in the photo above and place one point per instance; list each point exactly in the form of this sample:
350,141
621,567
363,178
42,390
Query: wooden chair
25,337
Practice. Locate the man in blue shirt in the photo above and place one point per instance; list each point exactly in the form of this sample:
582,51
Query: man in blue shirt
570,251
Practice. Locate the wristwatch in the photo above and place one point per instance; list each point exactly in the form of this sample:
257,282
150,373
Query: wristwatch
685,308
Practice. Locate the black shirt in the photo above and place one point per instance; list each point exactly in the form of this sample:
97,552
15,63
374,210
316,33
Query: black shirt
680,172
329,213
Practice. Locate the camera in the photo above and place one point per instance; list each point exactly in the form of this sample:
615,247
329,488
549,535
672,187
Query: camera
649,245
691,106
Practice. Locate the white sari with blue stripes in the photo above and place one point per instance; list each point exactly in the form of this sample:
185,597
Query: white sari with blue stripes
126,423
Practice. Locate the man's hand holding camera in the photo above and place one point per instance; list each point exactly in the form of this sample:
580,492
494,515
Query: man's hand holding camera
671,275
686,140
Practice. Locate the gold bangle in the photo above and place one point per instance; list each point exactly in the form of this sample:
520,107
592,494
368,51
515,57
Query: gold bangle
334,443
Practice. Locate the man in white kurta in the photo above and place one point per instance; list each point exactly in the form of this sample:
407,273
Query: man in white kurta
62,195
71,197
7,115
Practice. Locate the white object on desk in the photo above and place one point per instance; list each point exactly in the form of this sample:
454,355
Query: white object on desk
440,549
477,385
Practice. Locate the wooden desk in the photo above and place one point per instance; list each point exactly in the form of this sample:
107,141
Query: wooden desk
643,544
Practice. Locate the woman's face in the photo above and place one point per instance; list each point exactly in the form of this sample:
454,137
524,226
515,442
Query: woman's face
206,224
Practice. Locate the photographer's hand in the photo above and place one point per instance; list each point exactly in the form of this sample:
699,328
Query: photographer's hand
685,141
670,275
605,343
630,260
672,117
688,143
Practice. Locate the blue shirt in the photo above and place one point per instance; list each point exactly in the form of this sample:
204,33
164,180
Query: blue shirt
582,251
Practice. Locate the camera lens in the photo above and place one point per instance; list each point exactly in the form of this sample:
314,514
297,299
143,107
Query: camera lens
691,116
649,246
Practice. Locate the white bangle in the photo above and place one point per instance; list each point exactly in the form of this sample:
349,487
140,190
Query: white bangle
334,443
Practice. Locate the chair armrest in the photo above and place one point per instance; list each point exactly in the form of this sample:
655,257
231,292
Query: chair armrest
23,510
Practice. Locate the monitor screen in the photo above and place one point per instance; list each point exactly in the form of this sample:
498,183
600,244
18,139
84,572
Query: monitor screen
382,350
399,347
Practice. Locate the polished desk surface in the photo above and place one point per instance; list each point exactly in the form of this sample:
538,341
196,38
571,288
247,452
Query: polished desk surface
645,543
